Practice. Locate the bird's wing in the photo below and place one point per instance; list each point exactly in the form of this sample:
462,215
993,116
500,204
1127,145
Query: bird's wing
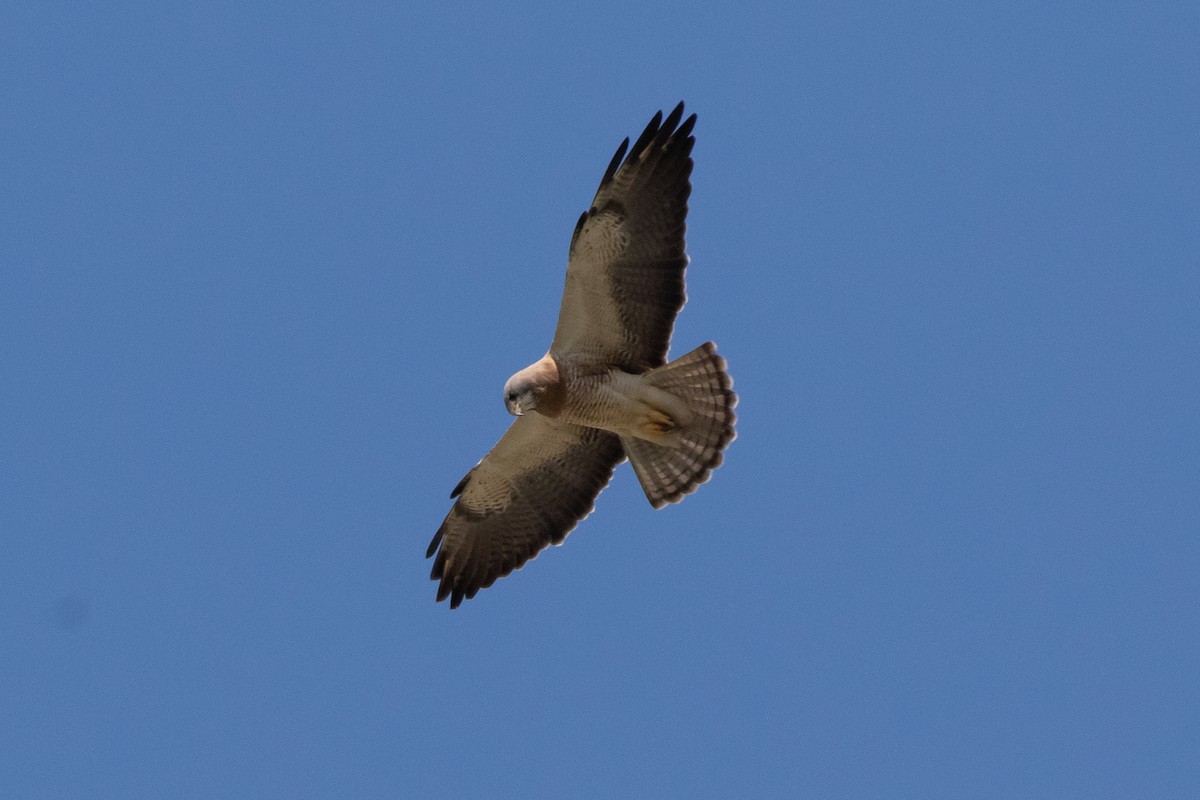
625,271
535,485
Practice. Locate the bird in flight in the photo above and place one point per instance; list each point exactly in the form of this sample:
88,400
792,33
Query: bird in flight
605,391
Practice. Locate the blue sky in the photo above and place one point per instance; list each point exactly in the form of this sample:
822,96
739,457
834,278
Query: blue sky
266,268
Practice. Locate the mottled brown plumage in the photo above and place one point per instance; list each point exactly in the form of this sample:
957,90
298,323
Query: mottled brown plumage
604,391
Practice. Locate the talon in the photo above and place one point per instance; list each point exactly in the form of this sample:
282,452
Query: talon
657,423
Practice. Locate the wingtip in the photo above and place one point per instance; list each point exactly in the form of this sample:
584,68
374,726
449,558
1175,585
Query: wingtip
659,131
648,134
437,540
685,130
672,120
615,163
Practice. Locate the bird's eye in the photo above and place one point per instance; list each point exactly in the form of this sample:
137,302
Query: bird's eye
512,396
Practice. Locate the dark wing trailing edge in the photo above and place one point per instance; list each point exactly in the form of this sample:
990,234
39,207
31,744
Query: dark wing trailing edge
625,282
529,492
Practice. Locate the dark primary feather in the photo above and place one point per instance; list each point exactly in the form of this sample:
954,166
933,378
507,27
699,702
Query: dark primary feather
612,165
536,484
625,275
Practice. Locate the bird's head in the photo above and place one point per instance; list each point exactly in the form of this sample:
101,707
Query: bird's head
519,396
525,390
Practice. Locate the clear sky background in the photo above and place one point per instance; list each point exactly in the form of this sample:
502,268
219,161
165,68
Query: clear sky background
264,269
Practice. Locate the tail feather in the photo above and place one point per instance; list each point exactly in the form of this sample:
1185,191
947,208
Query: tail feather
688,456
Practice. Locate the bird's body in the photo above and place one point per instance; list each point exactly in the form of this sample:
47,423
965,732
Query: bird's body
605,391
606,398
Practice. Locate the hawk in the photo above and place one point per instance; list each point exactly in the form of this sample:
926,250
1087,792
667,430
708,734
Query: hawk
605,391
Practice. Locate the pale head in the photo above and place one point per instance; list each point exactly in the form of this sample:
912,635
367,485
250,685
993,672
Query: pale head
527,390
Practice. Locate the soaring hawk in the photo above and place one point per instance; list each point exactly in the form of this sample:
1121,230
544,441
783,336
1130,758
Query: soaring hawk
605,391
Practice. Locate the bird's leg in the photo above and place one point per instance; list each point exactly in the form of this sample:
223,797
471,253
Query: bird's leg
657,423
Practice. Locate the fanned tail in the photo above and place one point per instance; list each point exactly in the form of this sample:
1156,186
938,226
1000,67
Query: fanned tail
688,456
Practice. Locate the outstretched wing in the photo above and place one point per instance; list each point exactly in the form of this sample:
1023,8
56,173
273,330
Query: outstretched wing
625,270
535,485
